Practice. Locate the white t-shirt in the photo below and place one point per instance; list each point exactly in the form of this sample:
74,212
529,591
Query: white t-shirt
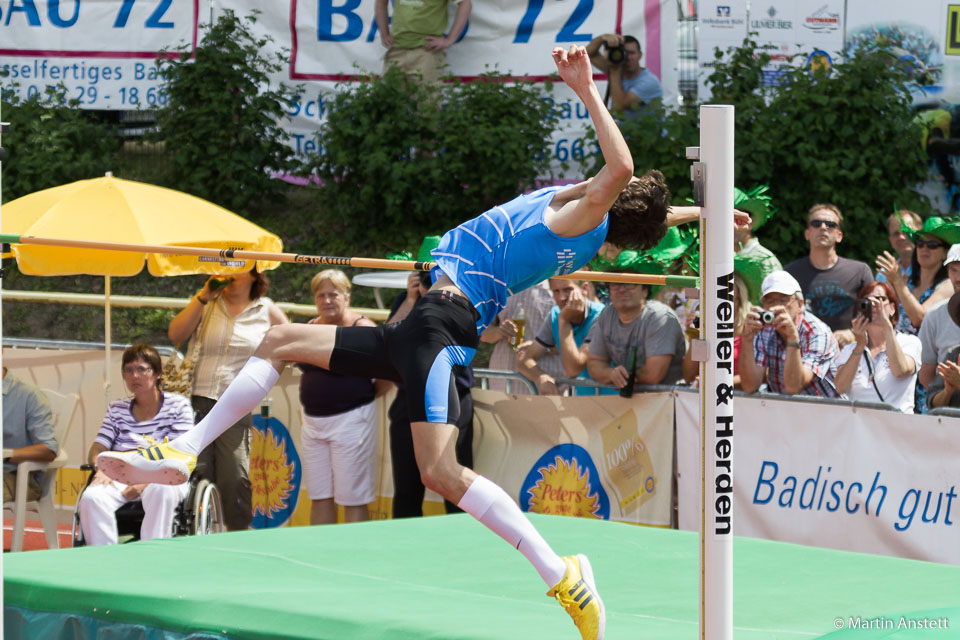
938,333
895,391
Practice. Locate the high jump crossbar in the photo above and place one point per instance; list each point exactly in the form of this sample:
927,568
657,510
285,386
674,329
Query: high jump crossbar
371,263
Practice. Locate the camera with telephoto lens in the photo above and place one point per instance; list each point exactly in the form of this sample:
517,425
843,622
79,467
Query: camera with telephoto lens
767,316
616,54
865,308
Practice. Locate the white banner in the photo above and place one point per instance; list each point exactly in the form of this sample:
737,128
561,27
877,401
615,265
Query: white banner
723,24
818,474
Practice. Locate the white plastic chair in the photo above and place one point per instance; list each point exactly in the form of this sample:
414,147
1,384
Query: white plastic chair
63,407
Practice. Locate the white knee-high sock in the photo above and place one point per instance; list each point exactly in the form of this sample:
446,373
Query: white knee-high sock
242,396
491,505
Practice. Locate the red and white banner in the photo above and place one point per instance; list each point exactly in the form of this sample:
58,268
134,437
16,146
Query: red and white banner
104,51
863,480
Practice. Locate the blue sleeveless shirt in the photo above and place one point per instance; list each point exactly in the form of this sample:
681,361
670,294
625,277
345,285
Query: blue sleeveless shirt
508,249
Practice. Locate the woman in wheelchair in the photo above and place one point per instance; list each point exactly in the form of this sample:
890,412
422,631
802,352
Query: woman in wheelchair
149,415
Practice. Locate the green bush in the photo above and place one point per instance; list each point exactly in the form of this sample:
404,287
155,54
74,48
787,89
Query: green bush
52,142
658,138
843,134
399,160
222,124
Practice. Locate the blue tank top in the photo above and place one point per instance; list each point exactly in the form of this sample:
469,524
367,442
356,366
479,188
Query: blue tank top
508,249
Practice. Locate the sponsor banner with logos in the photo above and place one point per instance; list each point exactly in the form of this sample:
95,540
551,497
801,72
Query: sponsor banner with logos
601,457
723,24
813,28
859,479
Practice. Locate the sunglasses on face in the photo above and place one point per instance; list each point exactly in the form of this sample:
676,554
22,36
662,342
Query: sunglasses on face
929,244
133,370
829,224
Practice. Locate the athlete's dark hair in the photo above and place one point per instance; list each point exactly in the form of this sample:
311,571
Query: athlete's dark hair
637,217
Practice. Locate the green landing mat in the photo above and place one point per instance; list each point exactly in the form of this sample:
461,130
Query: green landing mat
447,577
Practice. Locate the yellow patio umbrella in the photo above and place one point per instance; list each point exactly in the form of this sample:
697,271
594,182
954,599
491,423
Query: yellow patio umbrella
109,209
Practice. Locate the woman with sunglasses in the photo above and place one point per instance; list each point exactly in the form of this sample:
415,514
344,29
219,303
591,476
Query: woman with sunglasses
927,283
882,365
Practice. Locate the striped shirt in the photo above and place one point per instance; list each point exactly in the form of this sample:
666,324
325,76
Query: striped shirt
510,248
120,431
818,352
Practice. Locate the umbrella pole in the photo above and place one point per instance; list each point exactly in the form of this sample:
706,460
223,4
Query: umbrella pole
372,263
108,340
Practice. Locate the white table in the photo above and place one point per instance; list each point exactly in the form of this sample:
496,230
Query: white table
382,279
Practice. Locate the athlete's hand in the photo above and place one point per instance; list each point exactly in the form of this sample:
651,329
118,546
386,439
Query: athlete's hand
742,220
573,65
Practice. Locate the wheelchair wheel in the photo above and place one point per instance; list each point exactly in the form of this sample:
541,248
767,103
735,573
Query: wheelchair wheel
207,509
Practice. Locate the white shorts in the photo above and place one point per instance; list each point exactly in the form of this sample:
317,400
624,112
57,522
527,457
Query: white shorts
339,456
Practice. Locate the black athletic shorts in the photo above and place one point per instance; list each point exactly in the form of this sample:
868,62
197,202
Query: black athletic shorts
420,352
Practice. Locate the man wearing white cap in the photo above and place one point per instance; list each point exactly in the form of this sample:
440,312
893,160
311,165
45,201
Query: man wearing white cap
786,344
938,332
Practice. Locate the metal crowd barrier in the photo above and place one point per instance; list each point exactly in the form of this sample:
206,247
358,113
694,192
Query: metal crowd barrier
77,345
484,375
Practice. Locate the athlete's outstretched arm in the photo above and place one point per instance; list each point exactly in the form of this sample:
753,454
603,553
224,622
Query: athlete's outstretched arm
677,215
573,65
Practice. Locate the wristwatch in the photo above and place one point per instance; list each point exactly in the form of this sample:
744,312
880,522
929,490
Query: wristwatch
794,343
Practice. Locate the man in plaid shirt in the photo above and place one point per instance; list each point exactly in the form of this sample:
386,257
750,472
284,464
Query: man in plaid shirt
794,351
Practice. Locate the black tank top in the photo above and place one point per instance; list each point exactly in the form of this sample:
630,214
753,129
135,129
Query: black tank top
323,393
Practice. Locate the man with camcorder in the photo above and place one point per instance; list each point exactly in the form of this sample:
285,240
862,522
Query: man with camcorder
631,87
787,345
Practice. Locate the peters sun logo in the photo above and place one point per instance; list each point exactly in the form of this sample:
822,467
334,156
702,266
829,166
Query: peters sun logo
564,481
274,473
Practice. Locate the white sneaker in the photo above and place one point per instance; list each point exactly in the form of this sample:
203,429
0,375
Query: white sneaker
156,464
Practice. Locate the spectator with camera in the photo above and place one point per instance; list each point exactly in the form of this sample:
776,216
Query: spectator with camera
829,282
881,365
787,345
631,88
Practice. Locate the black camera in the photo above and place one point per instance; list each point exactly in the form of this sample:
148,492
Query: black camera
767,316
865,308
616,54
